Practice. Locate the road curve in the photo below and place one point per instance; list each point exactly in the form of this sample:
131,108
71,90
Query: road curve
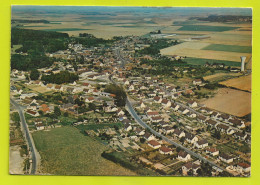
28,138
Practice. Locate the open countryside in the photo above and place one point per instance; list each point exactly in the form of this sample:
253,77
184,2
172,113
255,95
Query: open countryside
130,91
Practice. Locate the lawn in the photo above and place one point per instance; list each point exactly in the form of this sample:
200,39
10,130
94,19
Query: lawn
65,151
206,28
229,48
202,61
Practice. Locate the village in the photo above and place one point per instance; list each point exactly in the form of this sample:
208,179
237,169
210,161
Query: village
169,108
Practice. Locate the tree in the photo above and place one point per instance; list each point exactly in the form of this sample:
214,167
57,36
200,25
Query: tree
66,114
92,106
35,74
57,111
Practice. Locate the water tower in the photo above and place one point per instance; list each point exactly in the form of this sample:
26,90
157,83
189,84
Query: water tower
243,59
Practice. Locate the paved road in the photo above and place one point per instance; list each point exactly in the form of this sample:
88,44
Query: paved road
28,137
138,120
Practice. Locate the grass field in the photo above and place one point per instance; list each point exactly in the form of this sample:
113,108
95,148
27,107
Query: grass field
202,61
206,28
229,48
65,151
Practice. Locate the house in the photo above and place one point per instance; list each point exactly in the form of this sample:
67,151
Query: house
154,144
166,103
183,156
163,124
226,158
238,123
156,119
139,132
89,100
168,130
211,122
206,110
127,126
179,133
152,114
240,135
190,167
223,128
197,82
201,143
58,88
175,107
165,150
191,138
183,110
192,103
120,112
148,136
212,151
214,115
142,105
131,88
32,113
191,115
44,108
243,167
230,131
201,118
50,86
157,99
40,126
223,117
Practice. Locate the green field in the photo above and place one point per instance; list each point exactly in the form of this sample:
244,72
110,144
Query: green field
206,28
202,61
65,151
229,48
65,29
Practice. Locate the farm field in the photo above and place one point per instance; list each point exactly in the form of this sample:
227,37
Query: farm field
65,151
206,28
230,101
202,61
243,83
220,76
230,48
206,54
